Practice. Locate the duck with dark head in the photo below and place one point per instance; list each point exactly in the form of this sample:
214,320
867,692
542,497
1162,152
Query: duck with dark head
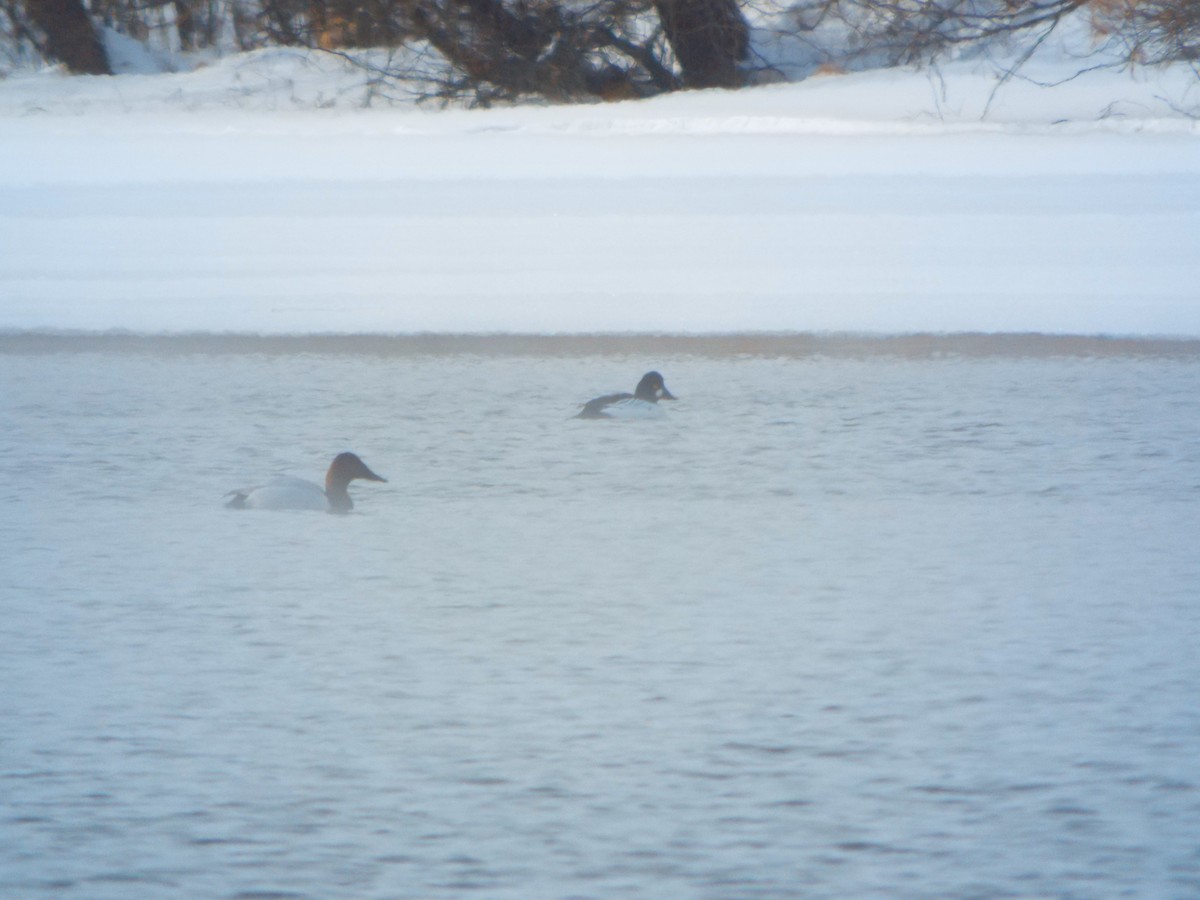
642,403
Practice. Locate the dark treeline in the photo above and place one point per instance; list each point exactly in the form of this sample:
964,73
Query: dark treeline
565,50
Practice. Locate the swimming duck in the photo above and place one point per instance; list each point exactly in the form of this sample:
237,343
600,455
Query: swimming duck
285,492
641,403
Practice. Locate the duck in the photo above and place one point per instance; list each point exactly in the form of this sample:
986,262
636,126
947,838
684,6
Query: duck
286,492
642,403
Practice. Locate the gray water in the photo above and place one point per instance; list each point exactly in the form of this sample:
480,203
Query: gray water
906,618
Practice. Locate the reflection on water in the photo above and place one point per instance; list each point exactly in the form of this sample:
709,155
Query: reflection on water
859,617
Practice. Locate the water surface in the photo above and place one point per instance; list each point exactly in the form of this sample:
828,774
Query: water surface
911,617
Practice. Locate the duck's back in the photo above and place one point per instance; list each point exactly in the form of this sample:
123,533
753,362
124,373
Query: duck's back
285,492
601,407
620,406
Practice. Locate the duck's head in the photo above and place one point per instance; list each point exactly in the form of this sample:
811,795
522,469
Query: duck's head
653,388
345,468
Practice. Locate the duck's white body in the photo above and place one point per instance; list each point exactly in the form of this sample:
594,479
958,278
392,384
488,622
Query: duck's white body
286,492
632,408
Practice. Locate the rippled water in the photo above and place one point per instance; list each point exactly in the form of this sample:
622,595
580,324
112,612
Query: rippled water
857,618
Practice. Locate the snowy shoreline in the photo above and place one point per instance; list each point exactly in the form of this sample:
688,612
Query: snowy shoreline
884,202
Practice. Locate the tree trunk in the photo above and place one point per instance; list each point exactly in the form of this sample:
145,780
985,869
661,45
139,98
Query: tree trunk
70,36
492,44
708,37
185,24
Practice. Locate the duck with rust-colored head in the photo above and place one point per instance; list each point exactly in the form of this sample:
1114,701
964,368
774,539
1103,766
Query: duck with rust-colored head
286,492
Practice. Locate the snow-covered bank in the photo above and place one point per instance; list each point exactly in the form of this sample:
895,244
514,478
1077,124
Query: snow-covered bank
880,202
1091,93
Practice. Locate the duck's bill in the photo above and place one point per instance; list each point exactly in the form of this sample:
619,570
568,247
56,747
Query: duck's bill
371,476
667,395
